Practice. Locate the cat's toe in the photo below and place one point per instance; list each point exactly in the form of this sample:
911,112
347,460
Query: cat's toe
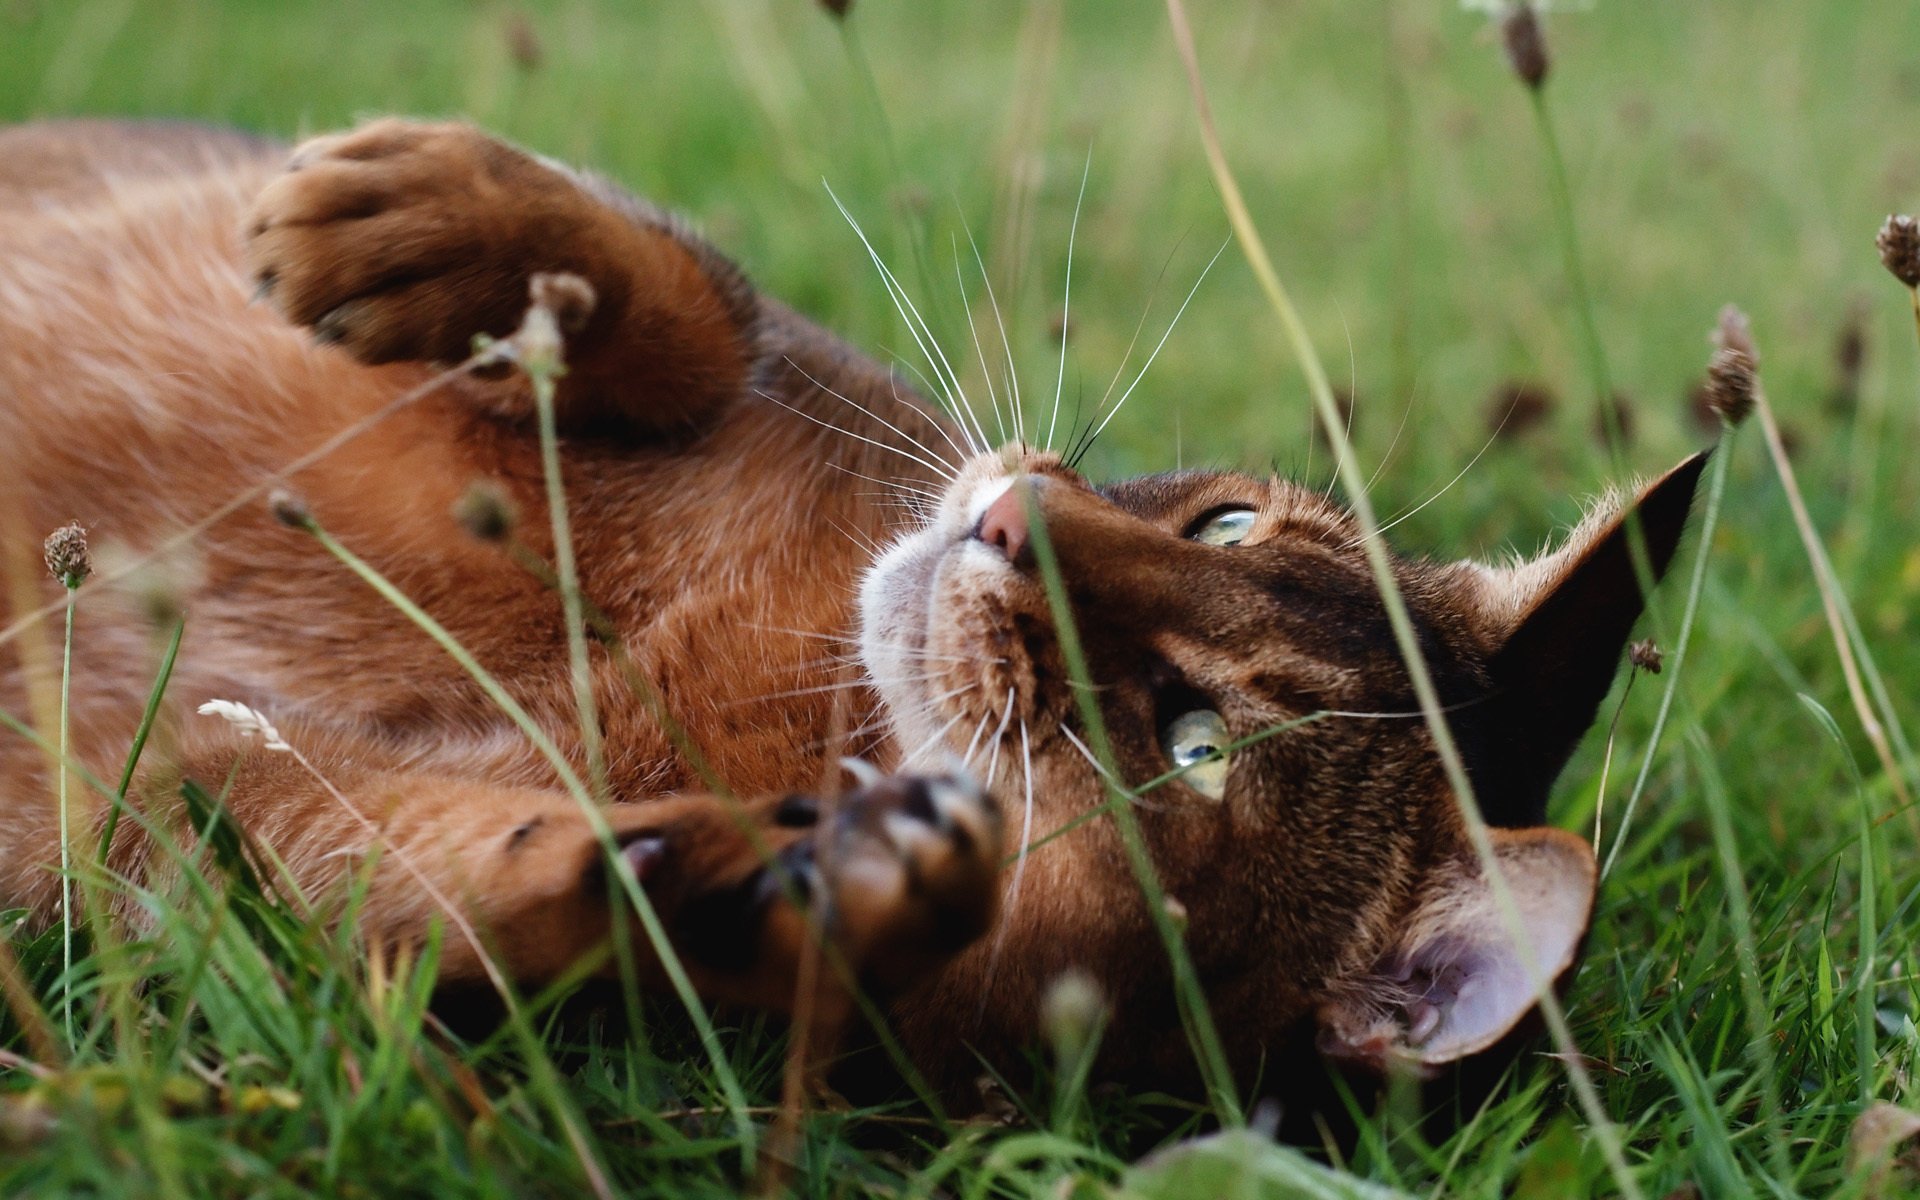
913,868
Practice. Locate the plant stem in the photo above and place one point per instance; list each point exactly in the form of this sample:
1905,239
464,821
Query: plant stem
656,932
1353,481
1596,354
66,841
1198,1018
1677,655
542,372
1830,601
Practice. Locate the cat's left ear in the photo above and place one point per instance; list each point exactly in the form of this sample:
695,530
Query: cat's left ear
1456,980
1560,623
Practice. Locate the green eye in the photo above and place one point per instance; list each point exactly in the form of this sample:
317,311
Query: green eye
1196,744
1228,528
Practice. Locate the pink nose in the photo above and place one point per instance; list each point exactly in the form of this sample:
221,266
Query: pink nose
1004,524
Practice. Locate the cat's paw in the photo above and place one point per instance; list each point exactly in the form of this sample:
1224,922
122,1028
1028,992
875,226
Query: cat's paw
912,866
901,874
401,240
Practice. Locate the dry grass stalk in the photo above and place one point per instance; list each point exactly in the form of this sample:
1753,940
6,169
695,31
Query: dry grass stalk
1253,247
1735,341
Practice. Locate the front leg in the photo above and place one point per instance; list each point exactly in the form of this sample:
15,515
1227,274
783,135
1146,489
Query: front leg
402,240
899,875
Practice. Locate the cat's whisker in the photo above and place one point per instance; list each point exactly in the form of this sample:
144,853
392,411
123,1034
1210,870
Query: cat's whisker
944,472
1405,415
1012,901
893,390
1161,344
999,739
847,685
919,445
986,372
935,738
1415,510
973,744
916,327
1094,761
894,485
1006,345
976,443
1139,327
1066,298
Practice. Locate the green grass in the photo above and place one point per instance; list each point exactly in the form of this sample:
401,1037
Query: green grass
1717,152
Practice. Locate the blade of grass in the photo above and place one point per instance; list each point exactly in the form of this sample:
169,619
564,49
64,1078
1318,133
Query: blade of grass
1354,482
1677,658
570,780
1832,600
148,715
1209,1053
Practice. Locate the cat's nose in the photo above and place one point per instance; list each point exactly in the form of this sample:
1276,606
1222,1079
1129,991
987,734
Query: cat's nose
1004,525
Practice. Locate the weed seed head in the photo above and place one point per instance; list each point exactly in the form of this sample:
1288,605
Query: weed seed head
68,559
289,509
1646,655
837,8
1526,44
1517,406
486,512
1899,244
1071,1013
1731,378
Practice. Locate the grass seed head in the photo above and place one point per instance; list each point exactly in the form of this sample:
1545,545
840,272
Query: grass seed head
1647,655
523,42
289,509
486,512
1899,243
68,559
1526,44
1071,1012
1517,406
1731,372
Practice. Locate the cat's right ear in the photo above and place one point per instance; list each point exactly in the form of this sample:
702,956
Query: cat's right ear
1560,624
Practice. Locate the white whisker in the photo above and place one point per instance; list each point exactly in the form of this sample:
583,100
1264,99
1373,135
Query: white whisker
1066,299
944,472
916,325
929,451
1006,345
1171,325
986,372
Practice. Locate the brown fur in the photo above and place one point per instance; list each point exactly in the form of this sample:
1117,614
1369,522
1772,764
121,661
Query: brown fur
722,529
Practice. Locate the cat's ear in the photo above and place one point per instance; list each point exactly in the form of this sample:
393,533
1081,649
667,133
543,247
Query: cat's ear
1456,981
1560,623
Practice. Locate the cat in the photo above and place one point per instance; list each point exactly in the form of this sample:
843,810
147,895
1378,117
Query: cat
185,313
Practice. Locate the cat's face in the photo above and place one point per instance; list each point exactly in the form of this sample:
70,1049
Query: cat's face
1266,733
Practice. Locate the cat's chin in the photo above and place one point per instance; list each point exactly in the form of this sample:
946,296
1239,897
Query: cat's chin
903,595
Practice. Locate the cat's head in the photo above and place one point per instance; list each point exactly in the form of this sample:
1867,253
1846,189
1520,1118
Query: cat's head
1321,866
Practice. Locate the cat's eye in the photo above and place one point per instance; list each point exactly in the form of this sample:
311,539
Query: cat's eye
1228,527
1196,745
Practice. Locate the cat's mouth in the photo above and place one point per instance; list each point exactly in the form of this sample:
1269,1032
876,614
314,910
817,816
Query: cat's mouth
953,634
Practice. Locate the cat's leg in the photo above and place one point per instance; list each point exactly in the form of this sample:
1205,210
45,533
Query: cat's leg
900,875
401,240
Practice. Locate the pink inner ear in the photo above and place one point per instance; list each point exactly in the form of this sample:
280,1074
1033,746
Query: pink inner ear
1459,983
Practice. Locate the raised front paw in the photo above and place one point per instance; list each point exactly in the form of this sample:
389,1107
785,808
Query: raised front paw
401,240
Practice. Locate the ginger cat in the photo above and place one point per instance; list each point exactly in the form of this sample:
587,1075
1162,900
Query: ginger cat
714,445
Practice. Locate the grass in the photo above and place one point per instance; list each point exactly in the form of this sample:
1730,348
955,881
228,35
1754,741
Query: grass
1715,152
